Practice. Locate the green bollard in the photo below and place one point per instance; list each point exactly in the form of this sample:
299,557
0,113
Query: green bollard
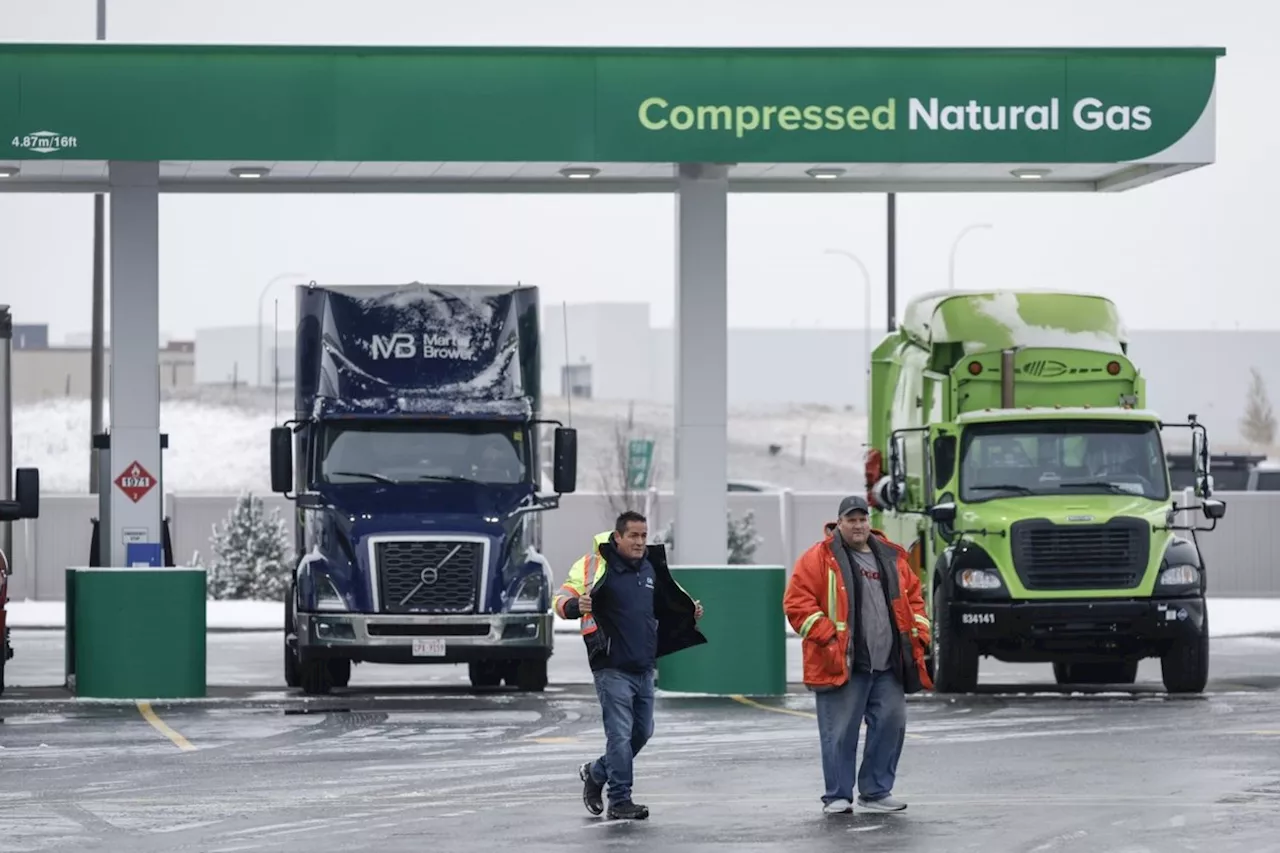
140,633
746,649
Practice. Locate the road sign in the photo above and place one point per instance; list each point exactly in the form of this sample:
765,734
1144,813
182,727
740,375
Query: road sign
135,482
639,463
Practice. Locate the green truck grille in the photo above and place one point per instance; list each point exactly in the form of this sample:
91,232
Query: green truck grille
1050,556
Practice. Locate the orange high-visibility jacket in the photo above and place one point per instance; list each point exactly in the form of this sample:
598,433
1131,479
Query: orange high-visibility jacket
817,606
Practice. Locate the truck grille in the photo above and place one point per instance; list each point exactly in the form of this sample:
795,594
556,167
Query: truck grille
428,577
1080,556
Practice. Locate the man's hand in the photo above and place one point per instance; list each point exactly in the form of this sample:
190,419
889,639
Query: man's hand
584,603
697,610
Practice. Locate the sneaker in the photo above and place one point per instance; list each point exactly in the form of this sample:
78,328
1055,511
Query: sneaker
592,793
884,804
628,811
838,807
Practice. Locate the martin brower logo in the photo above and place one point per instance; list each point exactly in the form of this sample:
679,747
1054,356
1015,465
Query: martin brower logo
44,142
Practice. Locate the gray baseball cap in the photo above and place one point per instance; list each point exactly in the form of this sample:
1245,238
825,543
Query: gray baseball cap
852,504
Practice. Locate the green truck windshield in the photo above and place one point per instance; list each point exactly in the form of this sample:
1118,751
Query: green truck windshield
422,452
1061,457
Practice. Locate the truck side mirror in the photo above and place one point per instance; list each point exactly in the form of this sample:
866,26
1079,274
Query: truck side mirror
281,460
565,464
944,513
27,492
1213,510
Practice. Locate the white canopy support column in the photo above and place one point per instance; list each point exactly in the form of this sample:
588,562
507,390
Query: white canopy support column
701,362
136,497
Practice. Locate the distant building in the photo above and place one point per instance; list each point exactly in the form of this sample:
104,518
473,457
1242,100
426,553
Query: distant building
229,355
58,372
30,336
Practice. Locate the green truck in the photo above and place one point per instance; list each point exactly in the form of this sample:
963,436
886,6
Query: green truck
1010,451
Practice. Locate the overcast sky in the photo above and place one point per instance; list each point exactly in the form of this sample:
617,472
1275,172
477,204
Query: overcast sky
1196,251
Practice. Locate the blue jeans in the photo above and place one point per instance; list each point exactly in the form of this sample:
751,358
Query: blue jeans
627,702
878,697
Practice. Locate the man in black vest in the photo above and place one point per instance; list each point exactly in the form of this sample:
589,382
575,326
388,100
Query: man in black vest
632,613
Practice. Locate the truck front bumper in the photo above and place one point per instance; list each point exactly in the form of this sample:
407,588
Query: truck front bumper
1046,630
394,638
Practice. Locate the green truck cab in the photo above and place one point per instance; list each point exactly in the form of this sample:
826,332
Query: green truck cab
1010,452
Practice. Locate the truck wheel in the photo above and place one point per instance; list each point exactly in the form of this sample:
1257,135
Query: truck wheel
339,672
291,677
531,676
316,678
1185,667
955,660
1121,672
485,673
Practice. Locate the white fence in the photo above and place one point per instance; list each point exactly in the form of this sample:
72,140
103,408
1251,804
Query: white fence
1242,555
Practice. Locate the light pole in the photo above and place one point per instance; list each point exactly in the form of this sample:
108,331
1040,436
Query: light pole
261,298
97,346
866,289
951,275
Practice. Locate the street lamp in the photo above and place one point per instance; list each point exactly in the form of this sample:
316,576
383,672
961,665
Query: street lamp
951,276
261,298
866,288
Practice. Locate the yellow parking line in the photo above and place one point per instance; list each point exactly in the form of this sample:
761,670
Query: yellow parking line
163,728
754,704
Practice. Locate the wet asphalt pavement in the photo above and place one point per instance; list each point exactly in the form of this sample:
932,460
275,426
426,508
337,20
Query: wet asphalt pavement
436,766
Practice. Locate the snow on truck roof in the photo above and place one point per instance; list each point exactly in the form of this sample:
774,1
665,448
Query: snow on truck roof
1100,413
998,319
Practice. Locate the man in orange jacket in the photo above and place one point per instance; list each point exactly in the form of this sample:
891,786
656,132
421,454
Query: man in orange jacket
856,603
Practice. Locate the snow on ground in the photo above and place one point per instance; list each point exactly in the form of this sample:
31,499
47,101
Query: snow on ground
1229,617
218,441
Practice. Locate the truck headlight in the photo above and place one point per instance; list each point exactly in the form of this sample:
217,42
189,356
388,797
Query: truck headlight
978,579
1179,576
327,596
528,594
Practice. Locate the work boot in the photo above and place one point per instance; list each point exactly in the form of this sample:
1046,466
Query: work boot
628,811
592,793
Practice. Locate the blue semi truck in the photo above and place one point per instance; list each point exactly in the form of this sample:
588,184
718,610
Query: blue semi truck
415,450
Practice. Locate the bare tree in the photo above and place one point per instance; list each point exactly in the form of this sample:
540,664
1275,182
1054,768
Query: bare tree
614,482
1258,426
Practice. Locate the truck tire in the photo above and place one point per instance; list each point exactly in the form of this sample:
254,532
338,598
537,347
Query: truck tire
530,676
339,672
485,673
291,677
955,660
316,677
1185,667
1121,672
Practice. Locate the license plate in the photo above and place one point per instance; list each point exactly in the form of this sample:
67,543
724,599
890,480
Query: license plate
424,647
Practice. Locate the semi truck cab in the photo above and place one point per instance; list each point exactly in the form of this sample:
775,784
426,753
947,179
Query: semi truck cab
1033,491
418,475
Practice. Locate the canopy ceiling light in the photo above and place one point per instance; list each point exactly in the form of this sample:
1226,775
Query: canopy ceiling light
824,174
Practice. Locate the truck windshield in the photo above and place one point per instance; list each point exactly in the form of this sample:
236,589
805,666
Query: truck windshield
423,452
1062,457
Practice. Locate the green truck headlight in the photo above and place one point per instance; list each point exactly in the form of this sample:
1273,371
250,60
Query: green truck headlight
978,579
1179,576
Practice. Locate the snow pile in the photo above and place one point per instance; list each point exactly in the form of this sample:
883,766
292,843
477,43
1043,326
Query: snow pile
218,442
217,449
